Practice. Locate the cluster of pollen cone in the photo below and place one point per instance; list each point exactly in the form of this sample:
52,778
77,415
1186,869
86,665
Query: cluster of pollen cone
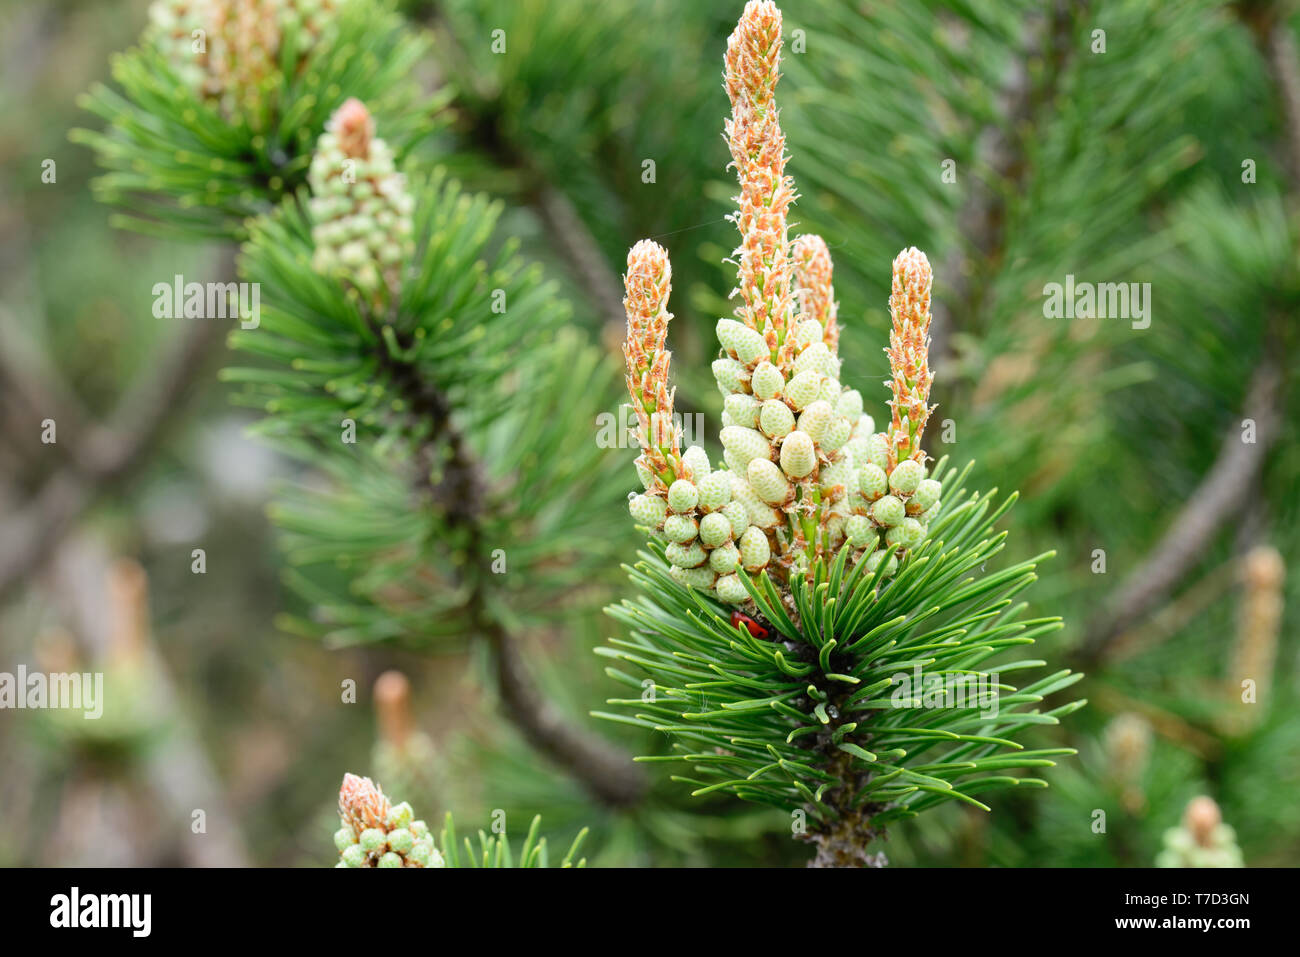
228,51
804,471
373,832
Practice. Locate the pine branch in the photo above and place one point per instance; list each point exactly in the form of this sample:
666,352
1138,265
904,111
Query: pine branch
196,142
184,111
606,772
802,607
124,446
603,770
573,240
183,170
1003,149
1229,486
1267,22
414,343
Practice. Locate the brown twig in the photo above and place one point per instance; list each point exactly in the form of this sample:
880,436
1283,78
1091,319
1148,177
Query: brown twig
586,264
605,771
1002,148
1173,617
33,391
1223,493
109,457
586,261
1267,23
1229,486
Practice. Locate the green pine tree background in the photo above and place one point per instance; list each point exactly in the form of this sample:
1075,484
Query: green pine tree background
424,605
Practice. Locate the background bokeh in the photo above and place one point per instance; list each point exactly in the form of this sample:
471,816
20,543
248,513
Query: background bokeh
1165,150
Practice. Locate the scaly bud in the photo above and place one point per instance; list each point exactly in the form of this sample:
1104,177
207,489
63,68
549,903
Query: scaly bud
849,405
926,495
742,408
905,477
647,284
360,209
836,435
737,514
686,555
745,444
697,461
680,528
648,510
767,381
715,529
754,550
376,833
814,292
872,481
730,374
776,420
803,389
714,490
860,532
909,346
815,418
798,456
731,590
765,276
888,511
701,578
724,559
683,495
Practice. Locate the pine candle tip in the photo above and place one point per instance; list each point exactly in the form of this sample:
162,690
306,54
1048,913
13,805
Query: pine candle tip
648,267
754,49
361,217
1263,568
1201,818
757,146
908,351
393,706
128,594
354,127
647,285
814,288
912,278
361,803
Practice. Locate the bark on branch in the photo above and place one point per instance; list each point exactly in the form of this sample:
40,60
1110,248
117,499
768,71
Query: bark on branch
110,455
608,773
1222,494
1002,149
1228,487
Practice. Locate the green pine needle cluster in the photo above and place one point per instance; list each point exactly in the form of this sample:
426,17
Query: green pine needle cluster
494,850
181,168
805,715
475,362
